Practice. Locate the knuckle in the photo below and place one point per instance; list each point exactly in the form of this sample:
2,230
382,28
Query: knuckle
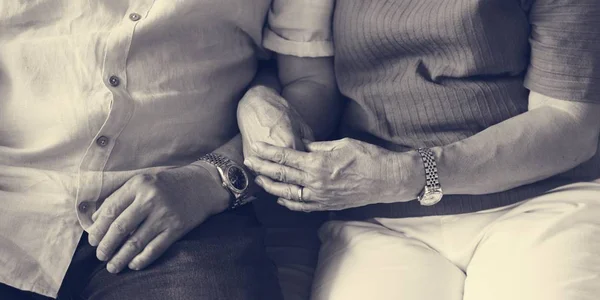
145,179
280,157
288,192
109,212
134,244
119,227
280,174
148,177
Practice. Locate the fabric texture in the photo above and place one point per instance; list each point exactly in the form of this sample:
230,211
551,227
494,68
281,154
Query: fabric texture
300,27
223,259
431,73
292,243
542,248
95,92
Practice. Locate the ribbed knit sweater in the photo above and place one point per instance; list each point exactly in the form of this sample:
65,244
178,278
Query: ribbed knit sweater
429,73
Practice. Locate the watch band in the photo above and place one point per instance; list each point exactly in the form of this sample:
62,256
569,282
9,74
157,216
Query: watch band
431,174
216,159
432,192
222,163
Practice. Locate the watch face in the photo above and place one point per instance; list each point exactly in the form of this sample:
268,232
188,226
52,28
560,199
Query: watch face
431,198
237,178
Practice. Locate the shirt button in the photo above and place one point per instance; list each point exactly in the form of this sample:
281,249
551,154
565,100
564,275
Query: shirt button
102,141
84,206
134,17
114,80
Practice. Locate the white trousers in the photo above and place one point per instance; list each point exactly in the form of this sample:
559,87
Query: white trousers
545,248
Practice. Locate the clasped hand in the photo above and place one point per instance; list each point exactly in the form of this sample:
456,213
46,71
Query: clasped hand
334,175
279,147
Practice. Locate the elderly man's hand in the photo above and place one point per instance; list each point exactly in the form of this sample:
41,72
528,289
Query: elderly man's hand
333,175
139,221
264,116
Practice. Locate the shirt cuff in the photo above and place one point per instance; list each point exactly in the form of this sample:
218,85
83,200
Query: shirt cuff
279,44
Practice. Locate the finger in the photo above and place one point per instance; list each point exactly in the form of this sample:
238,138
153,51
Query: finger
325,146
277,172
283,190
301,206
112,207
306,132
119,230
154,250
280,155
132,246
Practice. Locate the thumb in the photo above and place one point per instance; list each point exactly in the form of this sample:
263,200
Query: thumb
306,133
324,146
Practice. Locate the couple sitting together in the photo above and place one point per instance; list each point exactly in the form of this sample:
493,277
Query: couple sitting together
444,150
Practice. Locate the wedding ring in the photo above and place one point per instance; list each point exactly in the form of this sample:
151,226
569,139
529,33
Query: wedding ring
300,194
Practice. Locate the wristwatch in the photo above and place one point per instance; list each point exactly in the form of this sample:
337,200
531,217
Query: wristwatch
432,192
234,178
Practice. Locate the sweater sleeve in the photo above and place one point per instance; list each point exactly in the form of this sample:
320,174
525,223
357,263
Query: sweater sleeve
565,49
300,28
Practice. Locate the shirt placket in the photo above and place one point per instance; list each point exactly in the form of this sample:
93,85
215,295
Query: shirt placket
114,73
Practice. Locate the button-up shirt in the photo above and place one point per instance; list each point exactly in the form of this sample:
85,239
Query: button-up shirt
95,92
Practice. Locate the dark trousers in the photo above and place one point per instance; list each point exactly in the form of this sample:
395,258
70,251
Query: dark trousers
222,259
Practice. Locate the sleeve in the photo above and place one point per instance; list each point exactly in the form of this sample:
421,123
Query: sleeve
565,49
300,28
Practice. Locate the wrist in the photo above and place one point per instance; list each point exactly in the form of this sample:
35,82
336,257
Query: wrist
217,197
410,175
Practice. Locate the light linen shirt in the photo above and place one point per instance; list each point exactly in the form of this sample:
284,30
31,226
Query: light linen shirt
95,92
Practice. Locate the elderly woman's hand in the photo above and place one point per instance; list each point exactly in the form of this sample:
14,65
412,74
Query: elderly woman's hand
333,176
264,116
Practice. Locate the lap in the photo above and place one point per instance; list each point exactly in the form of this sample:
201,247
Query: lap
362,260
291,243
224,258
546,248
543,248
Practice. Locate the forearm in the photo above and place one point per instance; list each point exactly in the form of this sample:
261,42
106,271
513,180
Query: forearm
267,76
317,101
310,87
527,148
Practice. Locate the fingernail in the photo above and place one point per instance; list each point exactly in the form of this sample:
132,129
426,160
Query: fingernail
259,181
254,147
248,163
111,268
135,264
92,241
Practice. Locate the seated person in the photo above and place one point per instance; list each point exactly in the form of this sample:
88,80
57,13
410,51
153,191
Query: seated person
469,165
121,172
